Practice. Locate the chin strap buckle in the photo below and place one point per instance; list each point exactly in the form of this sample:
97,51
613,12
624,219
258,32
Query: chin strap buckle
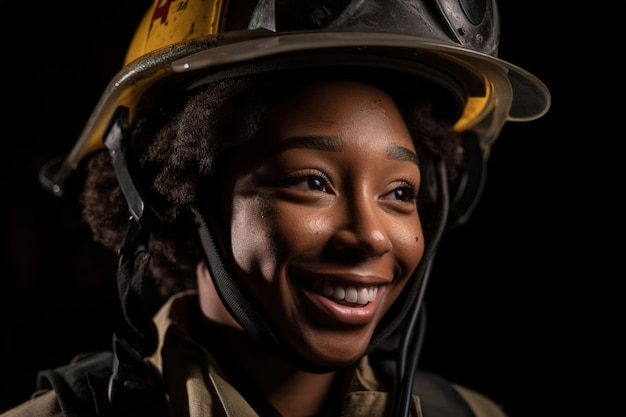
134,387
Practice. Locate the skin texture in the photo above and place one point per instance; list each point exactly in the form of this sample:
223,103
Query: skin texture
327,195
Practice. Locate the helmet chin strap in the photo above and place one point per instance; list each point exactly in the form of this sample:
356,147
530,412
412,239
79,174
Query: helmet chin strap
134,388
251,316
242,305
132,375
412,334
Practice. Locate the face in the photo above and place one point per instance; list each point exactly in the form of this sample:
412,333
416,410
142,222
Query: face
324,227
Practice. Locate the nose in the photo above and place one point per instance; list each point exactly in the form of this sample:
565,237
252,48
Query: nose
361,228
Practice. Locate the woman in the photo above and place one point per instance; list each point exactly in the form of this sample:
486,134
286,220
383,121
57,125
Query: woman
284,195
311,184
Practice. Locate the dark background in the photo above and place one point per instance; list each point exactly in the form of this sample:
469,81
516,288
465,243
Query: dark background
521,304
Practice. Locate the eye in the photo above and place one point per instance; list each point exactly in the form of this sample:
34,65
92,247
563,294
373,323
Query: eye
315,183
312,181
405,192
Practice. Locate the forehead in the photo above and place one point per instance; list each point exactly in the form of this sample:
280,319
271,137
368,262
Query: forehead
347,109
328,95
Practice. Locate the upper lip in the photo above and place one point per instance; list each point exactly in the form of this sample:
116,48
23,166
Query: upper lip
348,278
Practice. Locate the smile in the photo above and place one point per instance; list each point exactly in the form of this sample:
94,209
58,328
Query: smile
344,298
349,293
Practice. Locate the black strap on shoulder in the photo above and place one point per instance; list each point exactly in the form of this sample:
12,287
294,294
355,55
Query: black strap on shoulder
81,387
134,387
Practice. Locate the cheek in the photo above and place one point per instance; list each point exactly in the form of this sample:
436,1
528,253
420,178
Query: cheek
408,250
296,232
266,235
251,240
409,244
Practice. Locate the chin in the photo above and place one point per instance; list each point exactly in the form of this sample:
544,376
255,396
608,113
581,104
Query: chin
334,353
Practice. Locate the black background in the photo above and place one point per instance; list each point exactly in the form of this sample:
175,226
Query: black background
521,304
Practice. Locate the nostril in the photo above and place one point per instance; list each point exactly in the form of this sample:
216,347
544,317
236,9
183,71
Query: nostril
354,246
361,231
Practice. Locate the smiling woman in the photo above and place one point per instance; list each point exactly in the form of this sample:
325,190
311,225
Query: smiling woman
280,182
311,184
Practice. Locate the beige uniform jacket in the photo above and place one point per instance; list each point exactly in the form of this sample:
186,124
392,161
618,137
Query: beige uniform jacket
196,387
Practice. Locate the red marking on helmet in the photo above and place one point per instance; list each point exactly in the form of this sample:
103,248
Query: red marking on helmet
161,11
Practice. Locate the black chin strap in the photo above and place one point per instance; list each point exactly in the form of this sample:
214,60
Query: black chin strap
134,388
412,335
133,377
131,281
253,320
251,316
242,306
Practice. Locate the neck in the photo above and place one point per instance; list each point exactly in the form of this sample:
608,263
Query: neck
292,392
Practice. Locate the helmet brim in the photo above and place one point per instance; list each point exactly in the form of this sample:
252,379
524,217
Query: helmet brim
489,90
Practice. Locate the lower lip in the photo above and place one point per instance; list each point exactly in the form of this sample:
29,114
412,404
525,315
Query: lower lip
343,313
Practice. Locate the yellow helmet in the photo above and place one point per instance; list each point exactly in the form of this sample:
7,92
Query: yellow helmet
180,43
170,22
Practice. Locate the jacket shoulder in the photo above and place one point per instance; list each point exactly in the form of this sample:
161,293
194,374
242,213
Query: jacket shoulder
480,404
440,397
75,390
42,404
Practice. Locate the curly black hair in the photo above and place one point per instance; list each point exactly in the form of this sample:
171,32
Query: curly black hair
182,159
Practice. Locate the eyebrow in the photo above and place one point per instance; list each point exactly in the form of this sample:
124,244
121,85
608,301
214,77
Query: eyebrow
331,144
400,153
319,143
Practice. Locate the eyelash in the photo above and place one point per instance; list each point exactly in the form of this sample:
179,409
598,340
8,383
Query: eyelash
407,186
309,176
411,189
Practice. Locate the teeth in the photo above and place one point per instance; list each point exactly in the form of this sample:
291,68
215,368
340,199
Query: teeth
361,295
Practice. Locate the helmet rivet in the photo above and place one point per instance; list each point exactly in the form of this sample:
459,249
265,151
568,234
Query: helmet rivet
461,31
